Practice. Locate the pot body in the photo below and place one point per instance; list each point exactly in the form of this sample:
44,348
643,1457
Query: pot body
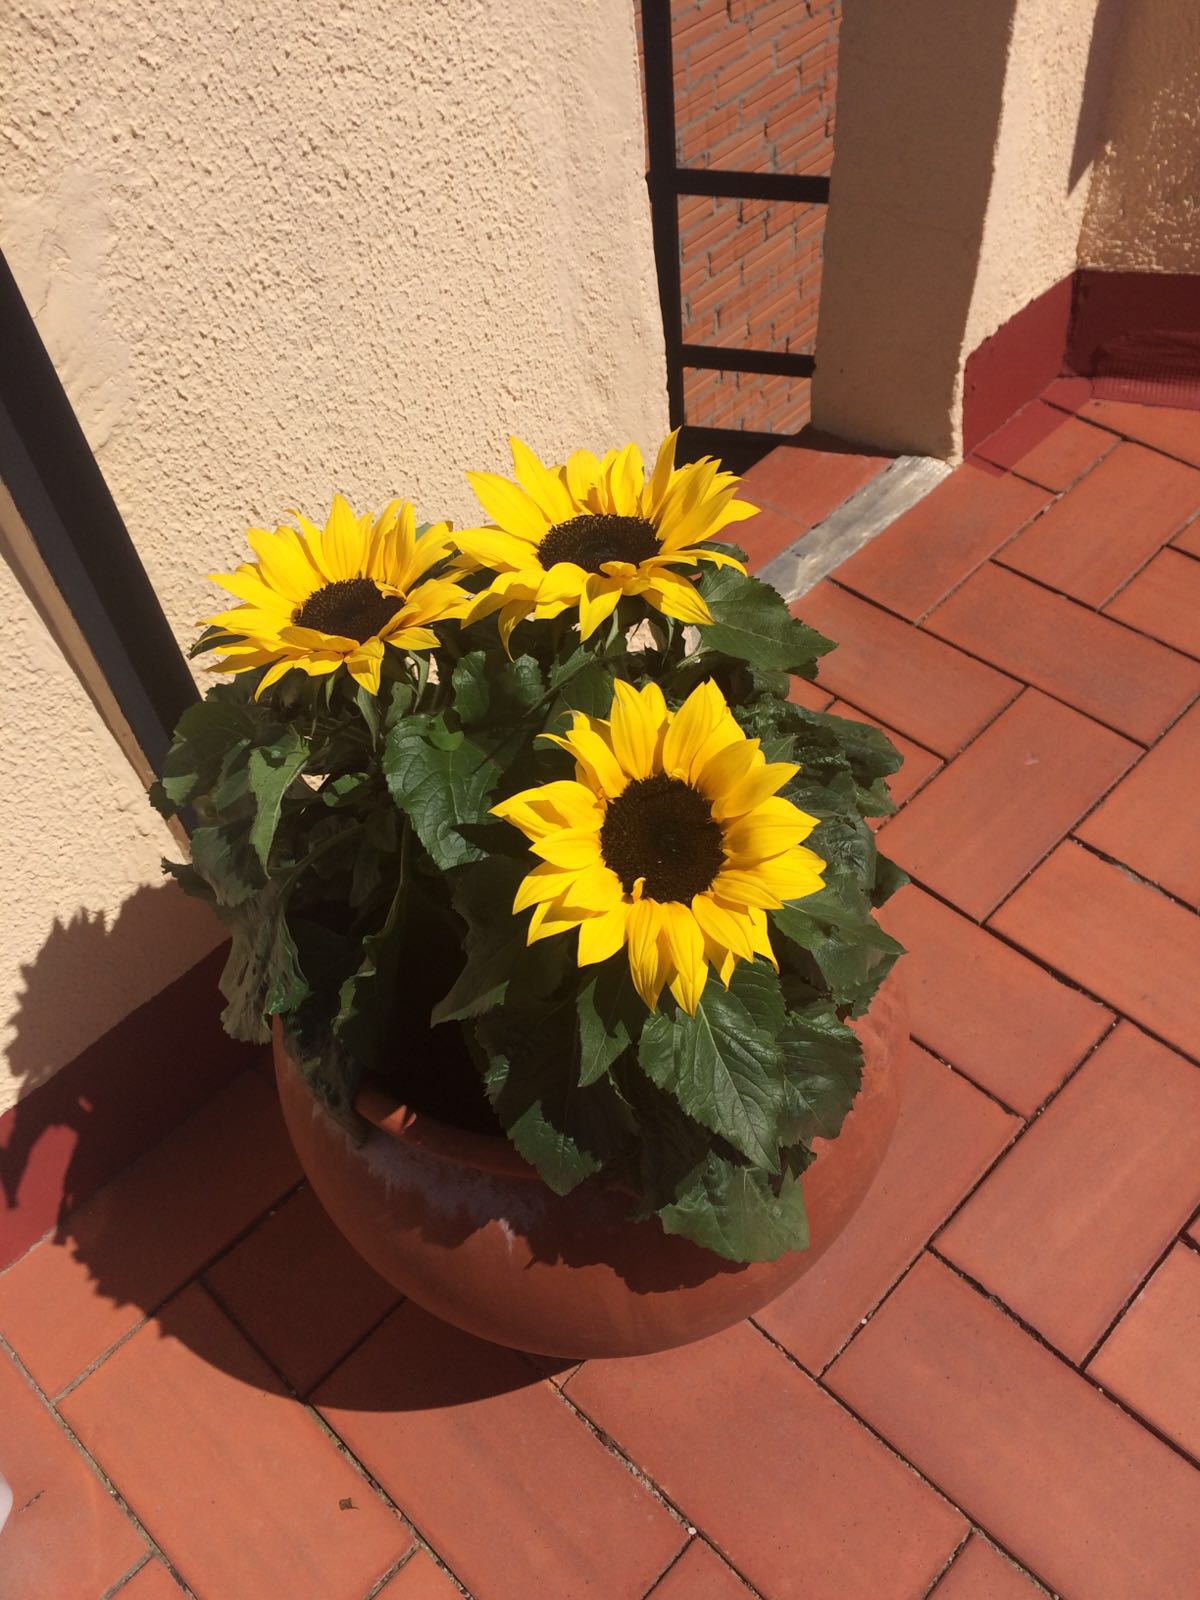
464,1227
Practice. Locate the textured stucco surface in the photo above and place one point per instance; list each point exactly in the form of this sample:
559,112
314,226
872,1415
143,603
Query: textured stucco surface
1143,212
958,192
81,944
296,247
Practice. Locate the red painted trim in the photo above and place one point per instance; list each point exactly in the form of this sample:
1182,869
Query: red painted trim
67,1138
1015,364
1137,336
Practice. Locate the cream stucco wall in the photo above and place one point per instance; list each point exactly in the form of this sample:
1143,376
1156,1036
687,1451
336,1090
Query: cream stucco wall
1143,212
281,249
959,185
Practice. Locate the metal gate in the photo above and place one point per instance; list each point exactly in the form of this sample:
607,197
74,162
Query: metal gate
667,181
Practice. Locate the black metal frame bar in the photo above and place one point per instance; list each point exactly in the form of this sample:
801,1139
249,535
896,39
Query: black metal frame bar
666,181
60,494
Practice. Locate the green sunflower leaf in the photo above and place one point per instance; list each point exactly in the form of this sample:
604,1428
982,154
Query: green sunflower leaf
497,957
272,769
851,950
262,973
568,1131
609,1013
724,1065
738,1212
751,621
823,1063
440,779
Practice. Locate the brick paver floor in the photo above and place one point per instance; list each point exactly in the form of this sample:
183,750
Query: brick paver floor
989,1389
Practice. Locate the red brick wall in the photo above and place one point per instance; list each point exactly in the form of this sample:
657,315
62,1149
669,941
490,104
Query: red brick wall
754,91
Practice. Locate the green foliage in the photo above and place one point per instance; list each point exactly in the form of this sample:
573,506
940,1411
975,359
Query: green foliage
347,842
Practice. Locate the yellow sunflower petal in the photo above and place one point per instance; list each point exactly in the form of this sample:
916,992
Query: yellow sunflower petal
636,725
342,544
603,935
686,944
273,675
550,918
493,547
676,597
284,563
770,829
582,471
660,479
757,784
598,599
508,506
729,929
690,728
569,847
543,486
648,959
595,755
545,882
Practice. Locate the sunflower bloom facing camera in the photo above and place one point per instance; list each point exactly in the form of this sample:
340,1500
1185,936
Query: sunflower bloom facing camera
671,841
586,533
321,598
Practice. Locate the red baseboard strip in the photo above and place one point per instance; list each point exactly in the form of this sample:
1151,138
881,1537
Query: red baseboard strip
67,1138
1015,365
1137,336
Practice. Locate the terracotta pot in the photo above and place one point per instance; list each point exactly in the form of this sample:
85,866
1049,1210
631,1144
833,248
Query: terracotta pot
467,1229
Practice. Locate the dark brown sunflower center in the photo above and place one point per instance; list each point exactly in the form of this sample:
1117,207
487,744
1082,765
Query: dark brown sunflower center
589,541
662,829
353,607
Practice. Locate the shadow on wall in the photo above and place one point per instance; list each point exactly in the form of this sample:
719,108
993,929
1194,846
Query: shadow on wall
124,1085
90,1156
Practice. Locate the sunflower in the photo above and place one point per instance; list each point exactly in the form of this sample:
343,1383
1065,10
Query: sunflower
671,839
588,532
321,598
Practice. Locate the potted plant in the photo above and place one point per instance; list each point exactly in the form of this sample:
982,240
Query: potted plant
560,911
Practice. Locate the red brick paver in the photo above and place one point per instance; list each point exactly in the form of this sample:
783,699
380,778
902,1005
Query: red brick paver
1147,822
299,1290
700,1574
470,1446
1164,601
146,1234
948,1135
985,1390
66,1536
1124,941
998,1016
981,825
982,1573
1046,447
937,696
243,1490
151,1582
420,1578
1071,1222
932,548
1087,1500
1119,677
716,1421
1149,1361
1094,539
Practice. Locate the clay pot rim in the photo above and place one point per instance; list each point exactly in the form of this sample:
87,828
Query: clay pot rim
484,1152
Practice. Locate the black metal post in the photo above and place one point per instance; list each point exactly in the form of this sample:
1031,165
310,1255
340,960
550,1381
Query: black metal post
661,179
60,494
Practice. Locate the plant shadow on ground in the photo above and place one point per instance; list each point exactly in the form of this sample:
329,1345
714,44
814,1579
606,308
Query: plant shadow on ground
82,1156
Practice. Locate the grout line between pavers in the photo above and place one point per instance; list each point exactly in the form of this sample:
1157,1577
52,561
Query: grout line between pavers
1062,1360
891,1449
953,1557
196,1275
654,1489
310,1389
1123,438
1124,867
1127,1304
93,1461
1046,588
127,1577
